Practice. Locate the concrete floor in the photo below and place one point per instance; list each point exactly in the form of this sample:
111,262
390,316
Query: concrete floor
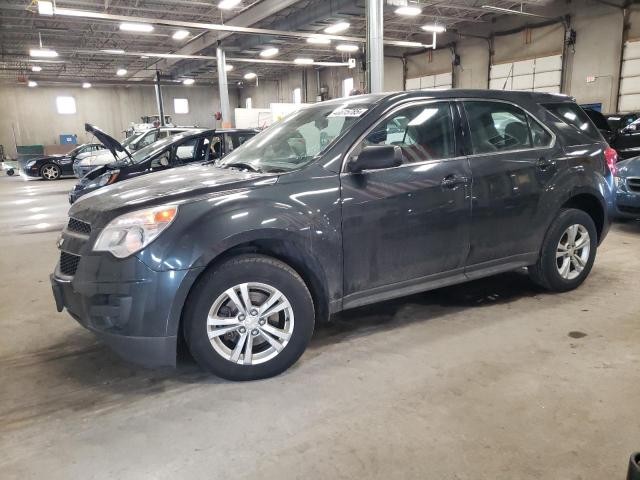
488,380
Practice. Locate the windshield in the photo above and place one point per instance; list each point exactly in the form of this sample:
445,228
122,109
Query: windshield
150,150
295,141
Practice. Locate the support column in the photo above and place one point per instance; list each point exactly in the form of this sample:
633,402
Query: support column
159,99
375,46
223,87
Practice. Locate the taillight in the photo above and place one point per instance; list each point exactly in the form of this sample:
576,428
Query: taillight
611,156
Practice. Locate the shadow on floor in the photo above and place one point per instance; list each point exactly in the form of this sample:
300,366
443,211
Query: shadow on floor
83,376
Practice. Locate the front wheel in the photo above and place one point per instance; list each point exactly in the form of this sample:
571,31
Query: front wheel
568,252
249,318
50,172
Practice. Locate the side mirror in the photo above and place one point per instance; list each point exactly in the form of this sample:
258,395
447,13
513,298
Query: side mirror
375,157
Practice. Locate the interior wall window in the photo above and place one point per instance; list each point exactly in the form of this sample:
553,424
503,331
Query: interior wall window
423,132
66,105
497,127
297,95
347,86
248,103
181,105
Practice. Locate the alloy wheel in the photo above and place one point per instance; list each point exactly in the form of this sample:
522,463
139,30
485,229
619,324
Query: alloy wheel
572,253
250,323
50,172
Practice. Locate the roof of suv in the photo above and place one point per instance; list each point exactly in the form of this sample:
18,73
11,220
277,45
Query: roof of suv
510,95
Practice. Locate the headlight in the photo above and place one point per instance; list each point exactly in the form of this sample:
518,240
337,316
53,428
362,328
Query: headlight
619,182
129,233
31,163
108,178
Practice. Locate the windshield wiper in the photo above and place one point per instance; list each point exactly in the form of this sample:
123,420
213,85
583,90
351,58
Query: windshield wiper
243,166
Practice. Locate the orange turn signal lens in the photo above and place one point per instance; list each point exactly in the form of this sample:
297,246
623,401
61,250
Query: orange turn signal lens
166,215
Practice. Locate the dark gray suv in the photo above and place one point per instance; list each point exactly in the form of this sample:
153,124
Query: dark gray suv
342,204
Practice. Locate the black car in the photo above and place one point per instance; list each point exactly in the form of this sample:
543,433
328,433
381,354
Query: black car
344,203
52,167
191,146
625,129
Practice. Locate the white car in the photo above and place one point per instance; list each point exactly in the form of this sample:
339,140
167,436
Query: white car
87,162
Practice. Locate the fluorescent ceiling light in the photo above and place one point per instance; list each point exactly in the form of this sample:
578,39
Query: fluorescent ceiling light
346,47
31,83
114,51
188,81
36,68
249,75
435,28
180,34
269,52
409,11
228,68
86,85
512,12
425,115
319,40
121,72
43,52
45,8
227,4
337,28
303,61
136,27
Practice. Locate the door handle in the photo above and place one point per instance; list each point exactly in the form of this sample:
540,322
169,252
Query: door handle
452,181
544,163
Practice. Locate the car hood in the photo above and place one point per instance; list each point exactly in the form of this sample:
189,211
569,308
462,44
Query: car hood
107,140
180,185
629,167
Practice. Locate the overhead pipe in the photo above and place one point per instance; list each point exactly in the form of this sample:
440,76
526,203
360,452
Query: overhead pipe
375,46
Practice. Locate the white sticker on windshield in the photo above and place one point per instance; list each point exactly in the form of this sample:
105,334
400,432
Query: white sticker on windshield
347,112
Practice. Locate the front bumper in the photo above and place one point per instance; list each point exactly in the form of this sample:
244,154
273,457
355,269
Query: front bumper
131,308
627,205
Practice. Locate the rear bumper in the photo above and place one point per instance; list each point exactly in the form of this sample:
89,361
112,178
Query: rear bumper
136,314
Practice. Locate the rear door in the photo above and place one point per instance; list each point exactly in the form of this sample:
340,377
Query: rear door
402,226
512,160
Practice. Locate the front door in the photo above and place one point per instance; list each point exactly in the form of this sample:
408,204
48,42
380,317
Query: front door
512,161
404,225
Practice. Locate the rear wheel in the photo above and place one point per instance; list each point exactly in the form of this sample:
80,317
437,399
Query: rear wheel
50,171
568,252
249,318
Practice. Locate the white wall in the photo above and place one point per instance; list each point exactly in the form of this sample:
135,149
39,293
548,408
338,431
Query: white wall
32,114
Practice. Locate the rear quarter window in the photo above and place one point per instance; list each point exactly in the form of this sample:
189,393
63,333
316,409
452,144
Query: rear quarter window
575,117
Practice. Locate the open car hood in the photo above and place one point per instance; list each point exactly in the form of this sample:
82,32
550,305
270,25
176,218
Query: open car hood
107,140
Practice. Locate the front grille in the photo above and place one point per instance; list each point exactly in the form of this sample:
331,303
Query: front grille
79,226
631,210
633,184
68,263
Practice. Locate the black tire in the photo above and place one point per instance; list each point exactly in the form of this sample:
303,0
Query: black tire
242,269
545,272
52,167
10,172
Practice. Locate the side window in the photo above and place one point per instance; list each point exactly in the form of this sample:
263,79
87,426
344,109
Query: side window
539,136
163,134
215,148
161,160
186,152
423,132
573,115
497,127
234,140
148,139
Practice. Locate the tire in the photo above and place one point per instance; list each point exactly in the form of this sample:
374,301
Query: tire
50,171
10,172
264,277
551,271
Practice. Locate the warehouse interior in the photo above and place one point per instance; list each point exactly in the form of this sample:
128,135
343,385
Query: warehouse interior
490,379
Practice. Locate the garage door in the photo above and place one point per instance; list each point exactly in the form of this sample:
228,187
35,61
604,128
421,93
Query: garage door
630,78
541,74
439,81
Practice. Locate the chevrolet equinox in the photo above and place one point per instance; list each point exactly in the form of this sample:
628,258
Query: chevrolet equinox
342,204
